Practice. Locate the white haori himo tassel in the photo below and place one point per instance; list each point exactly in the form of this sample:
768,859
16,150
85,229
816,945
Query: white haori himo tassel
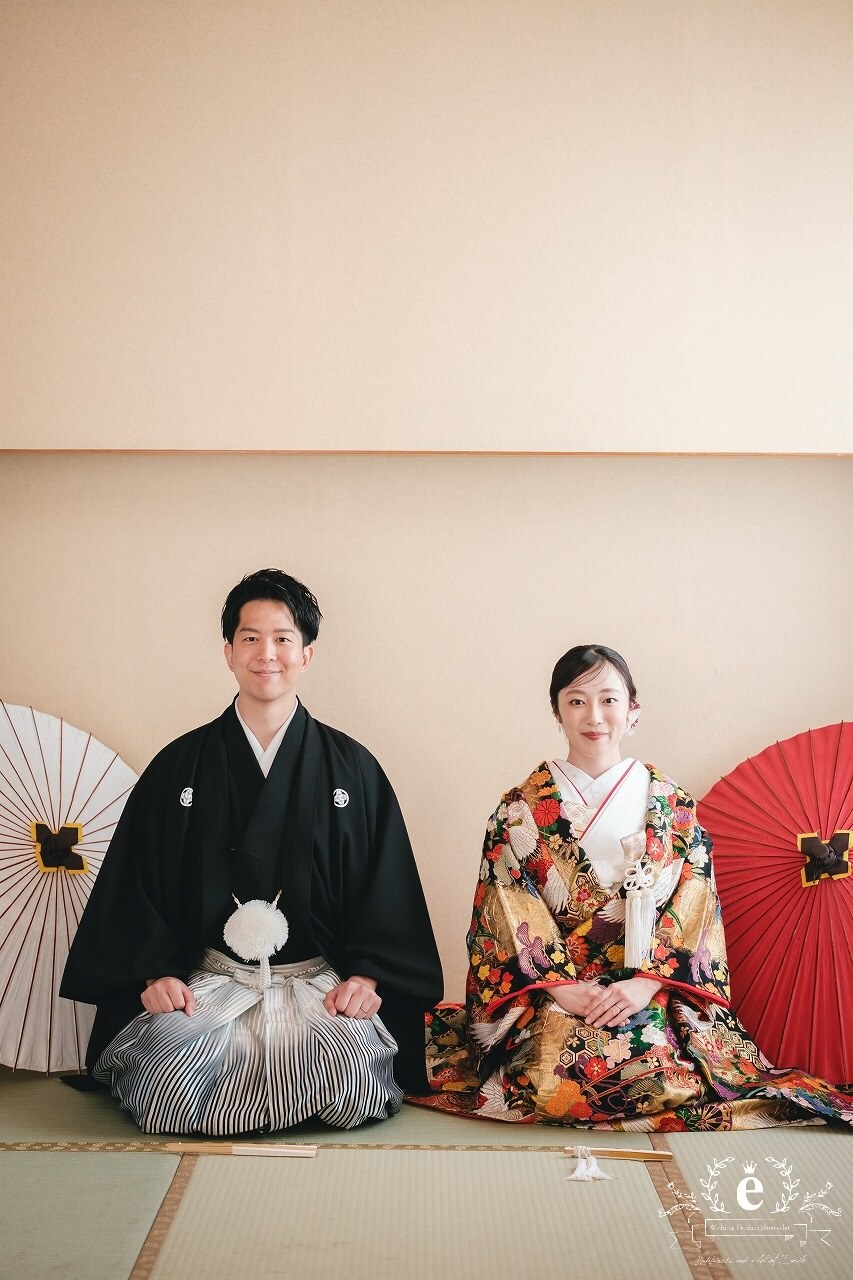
587,1168
640,911
255,931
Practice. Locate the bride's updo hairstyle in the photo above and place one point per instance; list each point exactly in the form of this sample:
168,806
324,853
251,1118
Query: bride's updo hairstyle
583,659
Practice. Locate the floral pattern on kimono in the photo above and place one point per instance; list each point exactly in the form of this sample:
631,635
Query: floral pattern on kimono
542,919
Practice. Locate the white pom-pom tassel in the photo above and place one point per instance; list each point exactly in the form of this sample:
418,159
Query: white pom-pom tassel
587,1169
255,931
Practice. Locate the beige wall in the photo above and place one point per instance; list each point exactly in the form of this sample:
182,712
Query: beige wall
581,225
578,226
450,587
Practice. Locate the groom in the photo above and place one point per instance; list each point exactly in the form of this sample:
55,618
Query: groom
263,800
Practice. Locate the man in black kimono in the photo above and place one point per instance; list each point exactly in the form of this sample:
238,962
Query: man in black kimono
262,801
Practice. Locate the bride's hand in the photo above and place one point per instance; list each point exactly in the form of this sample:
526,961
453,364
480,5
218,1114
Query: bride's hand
577,997
615,1005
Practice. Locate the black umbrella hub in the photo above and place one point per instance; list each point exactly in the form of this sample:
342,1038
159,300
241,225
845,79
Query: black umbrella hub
55,850
825,858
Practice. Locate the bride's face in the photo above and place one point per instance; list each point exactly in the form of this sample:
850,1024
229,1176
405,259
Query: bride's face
595,712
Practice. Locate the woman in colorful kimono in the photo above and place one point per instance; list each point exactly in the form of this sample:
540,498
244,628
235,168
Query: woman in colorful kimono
597,990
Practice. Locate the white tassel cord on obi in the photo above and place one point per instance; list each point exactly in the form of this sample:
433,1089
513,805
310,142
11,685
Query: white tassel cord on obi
639,914
587,1168
255,931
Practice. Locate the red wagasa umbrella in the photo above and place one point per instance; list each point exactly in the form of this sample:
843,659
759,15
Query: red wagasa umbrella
781,825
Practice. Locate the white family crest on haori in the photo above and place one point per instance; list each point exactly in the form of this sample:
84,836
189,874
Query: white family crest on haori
187,797
340,798
61,795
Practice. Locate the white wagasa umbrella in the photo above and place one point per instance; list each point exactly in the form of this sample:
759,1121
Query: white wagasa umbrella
61,795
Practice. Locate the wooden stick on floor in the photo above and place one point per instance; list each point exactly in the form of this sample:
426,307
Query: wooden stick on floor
240,1149
619,1153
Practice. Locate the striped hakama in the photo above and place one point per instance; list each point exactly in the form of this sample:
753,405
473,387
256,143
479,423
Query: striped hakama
252,1059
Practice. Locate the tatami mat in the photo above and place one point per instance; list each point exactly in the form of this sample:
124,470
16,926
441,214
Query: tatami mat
354,1214
771,1230
37,1109
422,1194
78,1215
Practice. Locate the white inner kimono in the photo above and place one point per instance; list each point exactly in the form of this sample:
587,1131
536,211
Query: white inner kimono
623,815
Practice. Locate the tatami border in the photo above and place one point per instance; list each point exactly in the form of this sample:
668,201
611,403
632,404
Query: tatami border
672,1190
160,1148
163,1220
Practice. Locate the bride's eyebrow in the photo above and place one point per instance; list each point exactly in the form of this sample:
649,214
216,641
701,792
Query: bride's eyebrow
576,692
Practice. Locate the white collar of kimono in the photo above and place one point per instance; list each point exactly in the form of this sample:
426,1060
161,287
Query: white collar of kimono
623,815
266,757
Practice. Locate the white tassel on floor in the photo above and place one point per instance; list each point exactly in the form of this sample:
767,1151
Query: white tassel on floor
587,1168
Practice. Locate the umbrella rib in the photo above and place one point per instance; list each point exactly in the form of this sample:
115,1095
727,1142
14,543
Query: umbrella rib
72,920
842,808
754,825
768,1009
26,761
793,781
14,882
109,803
751,800
831,820
773,788
52,977
95,788
836,819
36,892
78,897
816,917
785,908
16,875
53,894
10,820
49,889
54,825
847,1060
19,855
61,753
95,841
817,926
9,830
28,808
746,936
79,772
821,816
68,916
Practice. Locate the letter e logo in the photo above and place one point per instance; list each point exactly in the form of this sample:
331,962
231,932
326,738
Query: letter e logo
747,1187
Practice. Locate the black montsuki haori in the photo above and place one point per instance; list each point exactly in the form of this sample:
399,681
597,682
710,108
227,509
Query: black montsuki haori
203,823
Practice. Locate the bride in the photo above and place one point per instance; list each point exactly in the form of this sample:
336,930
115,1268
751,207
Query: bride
597,989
